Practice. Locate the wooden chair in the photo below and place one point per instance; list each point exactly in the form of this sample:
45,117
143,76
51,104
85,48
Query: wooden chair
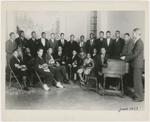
88,79
12,75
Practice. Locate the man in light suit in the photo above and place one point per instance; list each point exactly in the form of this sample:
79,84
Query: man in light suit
108,43
10,46
53,43
82,43
136,59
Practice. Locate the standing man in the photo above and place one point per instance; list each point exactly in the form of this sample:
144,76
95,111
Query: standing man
108,43
136,59
63,43
90,44
43,43
10,46
72,45
118,45
22,42
33,44
82,43
53,43
127,49
100,41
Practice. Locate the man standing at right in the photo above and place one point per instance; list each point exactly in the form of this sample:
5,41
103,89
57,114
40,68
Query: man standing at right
136,59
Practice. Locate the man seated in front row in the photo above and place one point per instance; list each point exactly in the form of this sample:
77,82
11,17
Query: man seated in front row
19,68
100,61
53,68
61,62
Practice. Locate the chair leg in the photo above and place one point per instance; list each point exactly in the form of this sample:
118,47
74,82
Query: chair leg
17,81
96,86
104,85
9,81
122,88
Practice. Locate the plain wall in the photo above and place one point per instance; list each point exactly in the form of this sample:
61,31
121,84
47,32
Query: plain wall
125,22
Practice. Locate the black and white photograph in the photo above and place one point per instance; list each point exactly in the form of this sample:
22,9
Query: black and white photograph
91,60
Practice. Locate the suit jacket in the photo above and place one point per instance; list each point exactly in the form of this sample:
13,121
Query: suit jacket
47,57
72,46
83,46
14,61
10,46
76,58
99,44
61,58
118,46
89,47
136,57
128,47
33,46
108,47
53,45
98,62
38,61
22,43
40,45
64,47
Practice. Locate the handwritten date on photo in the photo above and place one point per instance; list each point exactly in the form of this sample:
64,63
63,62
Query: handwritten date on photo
128,109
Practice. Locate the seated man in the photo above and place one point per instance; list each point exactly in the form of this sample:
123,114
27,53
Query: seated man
60,60
100,61
29,62
74,64
87,67
54,68
94,54
19,68
41,68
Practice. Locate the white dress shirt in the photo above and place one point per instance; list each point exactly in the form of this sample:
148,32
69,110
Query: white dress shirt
52,40
62,41
108,41
43,41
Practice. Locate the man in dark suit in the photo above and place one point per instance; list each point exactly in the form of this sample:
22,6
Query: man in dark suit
19,68
10,46
39,68
43,43
118,45
136,59
72,45
53,68
128,47
100,61
22,42
90,44
108,43
100,41
82,43
53,43
63,43
33,44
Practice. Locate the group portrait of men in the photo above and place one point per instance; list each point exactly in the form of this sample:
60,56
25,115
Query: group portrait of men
63,60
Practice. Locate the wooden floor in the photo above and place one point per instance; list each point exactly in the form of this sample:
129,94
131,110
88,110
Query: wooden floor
70,98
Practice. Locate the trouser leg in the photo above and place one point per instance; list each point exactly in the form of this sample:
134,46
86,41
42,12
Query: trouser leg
138,86
63,71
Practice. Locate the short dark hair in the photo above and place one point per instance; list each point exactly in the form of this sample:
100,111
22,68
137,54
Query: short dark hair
62,34
71,35
15,50
101,32
108,32
91,34
11,33
118,31
39,49
43,33
127,34
49,48
32,32
21,31
52,33
81,36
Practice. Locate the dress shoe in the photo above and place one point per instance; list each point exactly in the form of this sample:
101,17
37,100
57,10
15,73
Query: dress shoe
26,88
136,100
66,81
